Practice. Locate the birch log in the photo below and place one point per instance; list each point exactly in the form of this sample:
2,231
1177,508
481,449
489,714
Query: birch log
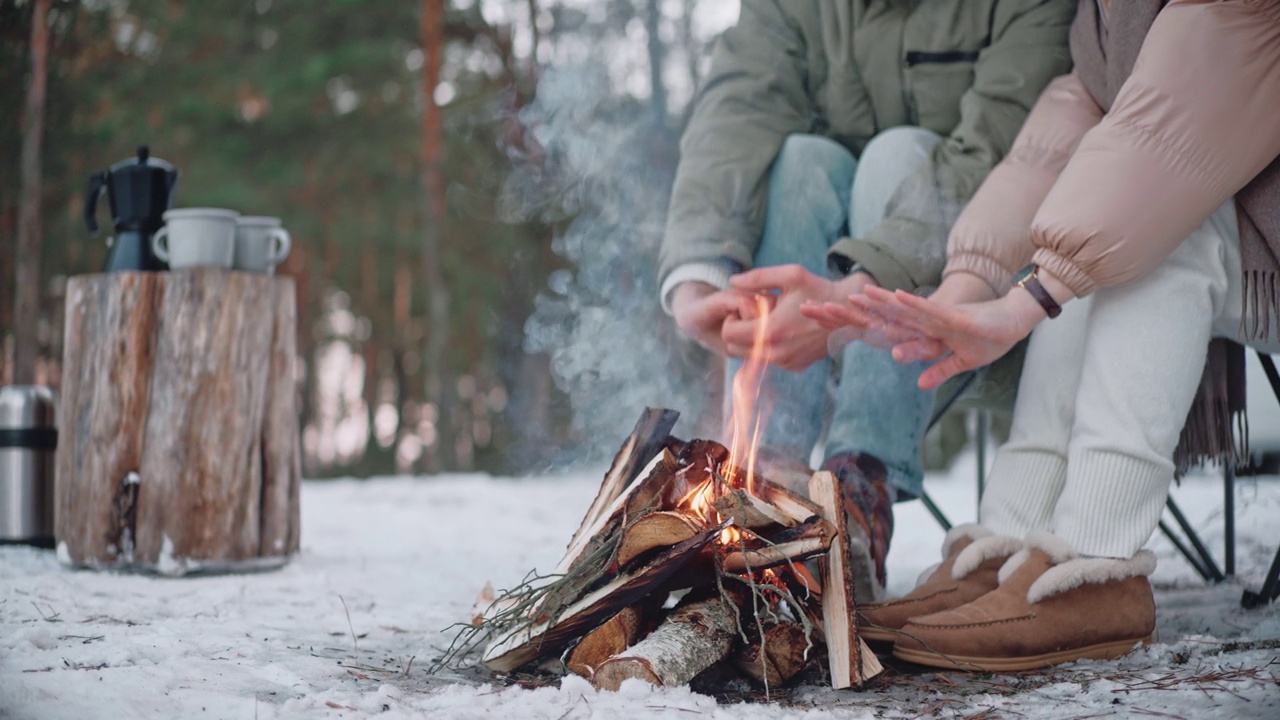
692,638
178,427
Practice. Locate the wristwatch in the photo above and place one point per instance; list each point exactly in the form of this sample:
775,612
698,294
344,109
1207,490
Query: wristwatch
1028,279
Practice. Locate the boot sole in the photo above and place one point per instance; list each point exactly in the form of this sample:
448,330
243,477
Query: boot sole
1101,651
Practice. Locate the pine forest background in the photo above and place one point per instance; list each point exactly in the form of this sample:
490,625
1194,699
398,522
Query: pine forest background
475,189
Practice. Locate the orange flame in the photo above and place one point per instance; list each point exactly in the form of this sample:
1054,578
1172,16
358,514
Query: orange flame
745,418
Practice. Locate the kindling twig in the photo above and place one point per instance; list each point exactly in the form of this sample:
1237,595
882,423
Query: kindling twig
350,627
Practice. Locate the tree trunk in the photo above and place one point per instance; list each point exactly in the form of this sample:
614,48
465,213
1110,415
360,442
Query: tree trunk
658,88
439,378
178,438
26,304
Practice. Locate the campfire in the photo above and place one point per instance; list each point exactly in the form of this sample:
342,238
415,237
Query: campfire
691,556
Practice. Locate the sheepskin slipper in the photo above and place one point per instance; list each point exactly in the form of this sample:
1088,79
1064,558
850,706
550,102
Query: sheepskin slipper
1051,607
971,560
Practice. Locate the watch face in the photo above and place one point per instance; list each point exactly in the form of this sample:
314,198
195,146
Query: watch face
1024,274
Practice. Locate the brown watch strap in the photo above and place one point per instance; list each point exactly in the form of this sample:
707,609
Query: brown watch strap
1032,285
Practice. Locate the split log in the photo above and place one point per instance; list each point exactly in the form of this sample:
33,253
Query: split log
534,640
792,505
772,556
651,432
178,426
748,511
640,494
850,660
777,658
692,638
617,634
656,530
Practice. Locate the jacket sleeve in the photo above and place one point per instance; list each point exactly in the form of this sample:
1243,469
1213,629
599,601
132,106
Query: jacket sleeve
991,238
1028,48
753,97
1196,121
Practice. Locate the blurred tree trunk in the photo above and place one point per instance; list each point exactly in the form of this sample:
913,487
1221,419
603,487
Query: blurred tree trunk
26,300
658,98
439,377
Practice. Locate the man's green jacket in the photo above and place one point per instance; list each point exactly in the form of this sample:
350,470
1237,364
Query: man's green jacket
969,70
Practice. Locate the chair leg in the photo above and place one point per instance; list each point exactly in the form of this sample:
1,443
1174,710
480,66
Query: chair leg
933,509
984,423
1207,562
1192,560
1229,519
1270,588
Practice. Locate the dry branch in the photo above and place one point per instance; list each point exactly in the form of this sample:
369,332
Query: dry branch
530,641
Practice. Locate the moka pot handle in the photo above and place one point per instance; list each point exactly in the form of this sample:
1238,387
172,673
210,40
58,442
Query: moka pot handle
97,183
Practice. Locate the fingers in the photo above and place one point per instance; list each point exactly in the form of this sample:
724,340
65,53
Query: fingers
927,349
941,372
769,278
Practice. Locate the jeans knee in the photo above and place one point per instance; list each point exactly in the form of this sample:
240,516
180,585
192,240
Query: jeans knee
899,144
801,155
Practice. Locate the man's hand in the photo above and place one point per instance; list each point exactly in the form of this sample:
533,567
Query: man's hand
794,341
701,310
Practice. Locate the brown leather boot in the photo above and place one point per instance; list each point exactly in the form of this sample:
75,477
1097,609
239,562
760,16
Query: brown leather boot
971,558
1051,607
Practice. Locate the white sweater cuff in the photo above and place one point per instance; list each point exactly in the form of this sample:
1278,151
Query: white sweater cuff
715,274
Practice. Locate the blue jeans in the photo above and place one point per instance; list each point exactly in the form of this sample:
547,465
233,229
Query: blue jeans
817,192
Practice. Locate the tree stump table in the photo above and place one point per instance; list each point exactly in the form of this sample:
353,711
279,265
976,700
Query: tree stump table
178,425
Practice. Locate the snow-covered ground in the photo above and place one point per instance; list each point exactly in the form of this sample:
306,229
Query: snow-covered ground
347,628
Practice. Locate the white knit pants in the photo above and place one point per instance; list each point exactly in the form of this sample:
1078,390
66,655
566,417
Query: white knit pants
1104,393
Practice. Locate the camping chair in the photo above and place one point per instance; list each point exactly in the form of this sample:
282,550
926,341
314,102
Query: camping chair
1188,543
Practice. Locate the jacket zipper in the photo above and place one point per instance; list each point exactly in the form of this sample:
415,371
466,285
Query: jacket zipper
918,57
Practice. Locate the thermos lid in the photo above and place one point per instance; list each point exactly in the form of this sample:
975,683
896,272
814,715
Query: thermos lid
25,407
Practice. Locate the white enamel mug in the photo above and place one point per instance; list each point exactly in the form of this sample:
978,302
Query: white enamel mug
261,244
197,237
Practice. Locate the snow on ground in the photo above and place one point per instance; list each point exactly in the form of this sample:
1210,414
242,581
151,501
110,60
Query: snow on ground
394,562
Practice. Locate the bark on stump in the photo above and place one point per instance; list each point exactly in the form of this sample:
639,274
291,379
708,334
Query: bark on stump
178,427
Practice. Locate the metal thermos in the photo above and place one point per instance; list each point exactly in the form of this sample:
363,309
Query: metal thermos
28,437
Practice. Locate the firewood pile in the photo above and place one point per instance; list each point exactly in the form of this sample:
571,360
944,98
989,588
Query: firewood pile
687,558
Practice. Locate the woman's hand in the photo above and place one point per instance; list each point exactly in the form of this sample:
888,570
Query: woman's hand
965,336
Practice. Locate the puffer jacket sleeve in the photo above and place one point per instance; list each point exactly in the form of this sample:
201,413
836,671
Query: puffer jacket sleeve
991,238
1028,48
1196,121
753,97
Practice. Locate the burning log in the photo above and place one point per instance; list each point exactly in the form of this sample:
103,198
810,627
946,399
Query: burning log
748,511
792,505
528,642
656,530
803,541
692,638
850,660
777,658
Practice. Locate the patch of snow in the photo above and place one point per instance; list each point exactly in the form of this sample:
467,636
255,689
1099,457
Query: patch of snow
349,626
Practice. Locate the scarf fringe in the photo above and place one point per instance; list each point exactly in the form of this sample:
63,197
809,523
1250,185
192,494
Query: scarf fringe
1217,428
1261,304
